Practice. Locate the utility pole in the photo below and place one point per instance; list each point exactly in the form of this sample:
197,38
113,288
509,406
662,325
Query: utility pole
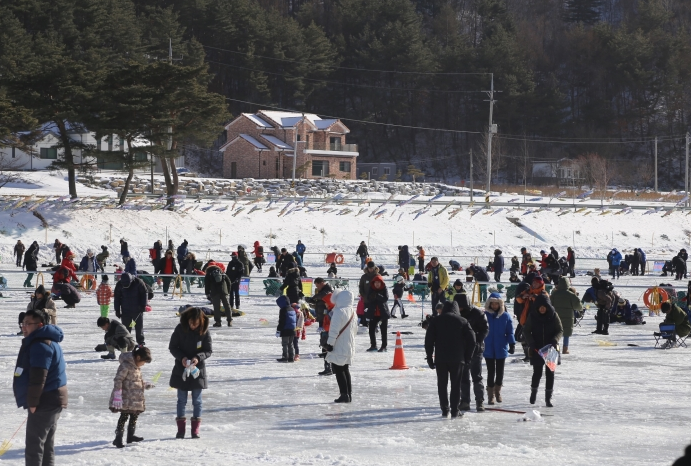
655,163
295,147
491,129
471,174
686,169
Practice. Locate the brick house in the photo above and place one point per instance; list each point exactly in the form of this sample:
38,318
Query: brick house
261,145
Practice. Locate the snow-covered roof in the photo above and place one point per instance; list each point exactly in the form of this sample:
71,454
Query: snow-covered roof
253,141
259,122
290,119
277,142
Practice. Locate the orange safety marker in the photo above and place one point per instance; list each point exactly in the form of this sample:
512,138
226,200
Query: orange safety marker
398,355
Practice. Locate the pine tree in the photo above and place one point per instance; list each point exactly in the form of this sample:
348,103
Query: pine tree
582,11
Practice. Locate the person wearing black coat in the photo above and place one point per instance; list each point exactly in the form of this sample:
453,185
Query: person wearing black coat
130,300
478,322
684,255
543,327
285,263
158,255
30,262
449,344
679,263
498,265
293,285
377,310
234,270
67,293
216,288
124,252
635,260
19,250
191,346
553,252
404,259
362,253
571,259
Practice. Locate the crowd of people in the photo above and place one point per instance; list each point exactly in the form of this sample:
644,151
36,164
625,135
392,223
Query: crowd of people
459,334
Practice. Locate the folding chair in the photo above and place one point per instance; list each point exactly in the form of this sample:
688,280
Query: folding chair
579,317
667,332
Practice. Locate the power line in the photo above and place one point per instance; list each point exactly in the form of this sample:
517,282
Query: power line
510,137
586,140
288,60
360,121
284,75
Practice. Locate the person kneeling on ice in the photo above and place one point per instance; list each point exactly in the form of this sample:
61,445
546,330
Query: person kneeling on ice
117,337
42,301
191,346
287,320
674,315
455,266
449,344
499,343
340,345
542,328
632,315
127,397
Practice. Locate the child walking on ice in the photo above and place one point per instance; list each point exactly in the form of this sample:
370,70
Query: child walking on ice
127,397
104,293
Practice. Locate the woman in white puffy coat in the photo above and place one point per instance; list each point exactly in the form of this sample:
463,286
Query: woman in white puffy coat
341,342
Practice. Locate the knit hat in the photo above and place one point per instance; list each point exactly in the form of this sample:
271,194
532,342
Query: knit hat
104,278
458,282
377,283
370,264
41,290
538,279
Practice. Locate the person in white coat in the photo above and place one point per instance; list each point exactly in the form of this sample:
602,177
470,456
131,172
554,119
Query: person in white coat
341,342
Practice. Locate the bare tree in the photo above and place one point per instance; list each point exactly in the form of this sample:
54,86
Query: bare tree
596,171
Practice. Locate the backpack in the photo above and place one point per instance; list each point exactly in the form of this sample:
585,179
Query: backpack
216,274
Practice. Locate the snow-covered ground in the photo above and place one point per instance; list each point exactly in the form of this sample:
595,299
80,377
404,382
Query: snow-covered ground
618,405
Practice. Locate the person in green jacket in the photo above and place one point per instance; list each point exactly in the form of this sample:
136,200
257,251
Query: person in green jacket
674,315
567,304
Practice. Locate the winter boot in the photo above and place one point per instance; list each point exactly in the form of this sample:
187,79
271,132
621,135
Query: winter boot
108,356
118,439
131,437
548,398
217,324
497,393
196,423
490,395
533,395
344,398
182,425
465,406
605,329
479,407
566,350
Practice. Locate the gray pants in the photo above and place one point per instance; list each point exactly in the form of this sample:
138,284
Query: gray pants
288,350
40,436
474,371
216,301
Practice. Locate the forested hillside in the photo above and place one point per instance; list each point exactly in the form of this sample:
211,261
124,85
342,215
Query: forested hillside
573,77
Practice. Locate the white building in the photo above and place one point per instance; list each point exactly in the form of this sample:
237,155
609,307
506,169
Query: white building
42,154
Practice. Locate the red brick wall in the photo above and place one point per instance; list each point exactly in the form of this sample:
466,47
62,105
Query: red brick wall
246,158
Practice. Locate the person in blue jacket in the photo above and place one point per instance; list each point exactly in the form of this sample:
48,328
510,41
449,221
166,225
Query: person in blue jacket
40,385
89,263
130,265
300,249
499,343
287,320
182,252
615,263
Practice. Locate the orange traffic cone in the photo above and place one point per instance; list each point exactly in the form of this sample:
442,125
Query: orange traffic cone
398,355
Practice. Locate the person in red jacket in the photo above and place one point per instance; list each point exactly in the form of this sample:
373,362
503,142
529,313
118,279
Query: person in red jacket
66,271
258,252
168,267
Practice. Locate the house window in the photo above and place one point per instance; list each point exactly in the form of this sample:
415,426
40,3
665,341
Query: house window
344,166
335,143
14,155
387,171
49,153
298,137
320,168
375,171
264,163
